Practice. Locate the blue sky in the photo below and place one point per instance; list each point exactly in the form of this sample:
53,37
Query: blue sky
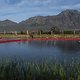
18,10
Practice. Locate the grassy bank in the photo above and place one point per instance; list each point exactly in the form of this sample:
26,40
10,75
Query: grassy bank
57,36
11,70
12,36
40,36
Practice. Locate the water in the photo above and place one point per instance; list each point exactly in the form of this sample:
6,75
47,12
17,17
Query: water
41,50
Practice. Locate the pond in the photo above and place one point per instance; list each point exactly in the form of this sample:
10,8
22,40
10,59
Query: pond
41,50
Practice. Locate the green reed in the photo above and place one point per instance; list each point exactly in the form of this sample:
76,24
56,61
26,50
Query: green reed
19,70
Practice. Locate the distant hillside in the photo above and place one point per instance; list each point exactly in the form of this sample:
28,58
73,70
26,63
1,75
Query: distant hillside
8,25
68,19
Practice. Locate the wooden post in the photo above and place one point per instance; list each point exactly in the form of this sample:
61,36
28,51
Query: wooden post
74,32
40,33
15,32
27,32
51,32
4,32
62,32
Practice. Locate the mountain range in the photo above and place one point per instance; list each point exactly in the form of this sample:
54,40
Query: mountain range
66,20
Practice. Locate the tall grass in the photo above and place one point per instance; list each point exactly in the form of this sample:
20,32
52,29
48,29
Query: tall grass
18,70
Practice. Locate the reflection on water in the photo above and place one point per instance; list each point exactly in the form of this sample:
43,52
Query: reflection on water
38,50
65,46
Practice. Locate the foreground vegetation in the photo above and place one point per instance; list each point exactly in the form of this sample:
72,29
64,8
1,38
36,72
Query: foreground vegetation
18,70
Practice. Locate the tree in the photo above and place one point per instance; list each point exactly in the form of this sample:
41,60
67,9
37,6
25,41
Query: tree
55,30
21,32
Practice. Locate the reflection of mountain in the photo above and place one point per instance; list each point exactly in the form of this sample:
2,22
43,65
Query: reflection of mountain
66,46
42,43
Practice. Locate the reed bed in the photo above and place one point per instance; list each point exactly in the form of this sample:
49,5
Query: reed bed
20,70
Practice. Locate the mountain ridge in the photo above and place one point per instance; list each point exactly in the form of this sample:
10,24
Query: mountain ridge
67,19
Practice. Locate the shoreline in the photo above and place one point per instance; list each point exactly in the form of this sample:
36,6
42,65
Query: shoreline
5,40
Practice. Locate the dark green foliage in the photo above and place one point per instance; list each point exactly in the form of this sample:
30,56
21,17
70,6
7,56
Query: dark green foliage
68,32
38,71
22,32
55,30
31,35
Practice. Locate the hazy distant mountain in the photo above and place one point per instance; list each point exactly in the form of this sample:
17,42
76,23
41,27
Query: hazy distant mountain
8,25
68,19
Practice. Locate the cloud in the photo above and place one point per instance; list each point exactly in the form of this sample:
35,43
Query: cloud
21,9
